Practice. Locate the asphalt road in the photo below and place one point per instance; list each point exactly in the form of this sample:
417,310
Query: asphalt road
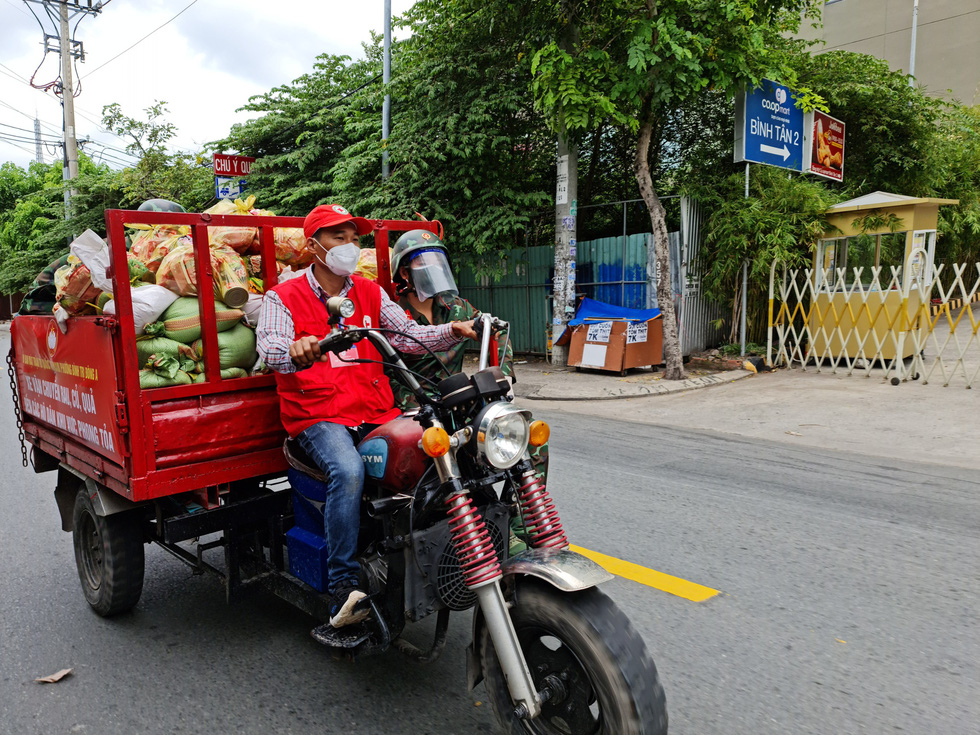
848,604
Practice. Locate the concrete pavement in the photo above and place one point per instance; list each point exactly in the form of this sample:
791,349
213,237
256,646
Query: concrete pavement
867,415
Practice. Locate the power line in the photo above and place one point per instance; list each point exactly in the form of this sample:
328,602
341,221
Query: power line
141,40
28,150
18,8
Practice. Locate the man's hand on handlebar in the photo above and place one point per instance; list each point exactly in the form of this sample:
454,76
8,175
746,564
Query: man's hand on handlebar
465,330
305,351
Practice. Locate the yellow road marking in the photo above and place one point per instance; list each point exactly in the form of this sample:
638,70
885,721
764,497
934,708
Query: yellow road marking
649,577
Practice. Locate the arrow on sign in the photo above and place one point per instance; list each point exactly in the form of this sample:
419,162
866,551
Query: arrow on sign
784,151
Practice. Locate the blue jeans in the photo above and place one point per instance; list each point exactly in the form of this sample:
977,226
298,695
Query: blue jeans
331,446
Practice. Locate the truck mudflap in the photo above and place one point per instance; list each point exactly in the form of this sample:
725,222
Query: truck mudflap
105,501
564,569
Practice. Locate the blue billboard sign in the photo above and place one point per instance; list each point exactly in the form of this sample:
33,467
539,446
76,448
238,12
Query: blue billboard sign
769,127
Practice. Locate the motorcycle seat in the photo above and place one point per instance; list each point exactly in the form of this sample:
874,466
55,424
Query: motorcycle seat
299,460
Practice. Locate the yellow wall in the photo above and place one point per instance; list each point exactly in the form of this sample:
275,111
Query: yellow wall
855,316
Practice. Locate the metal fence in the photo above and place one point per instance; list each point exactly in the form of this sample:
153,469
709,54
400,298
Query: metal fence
618,270
855,322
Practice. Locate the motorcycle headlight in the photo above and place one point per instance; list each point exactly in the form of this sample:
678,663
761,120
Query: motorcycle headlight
502,434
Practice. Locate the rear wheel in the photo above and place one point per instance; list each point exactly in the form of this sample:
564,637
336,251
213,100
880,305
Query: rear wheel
583,647
109,557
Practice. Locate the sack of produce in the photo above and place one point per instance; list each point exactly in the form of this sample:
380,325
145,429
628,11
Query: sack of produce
367,263
182,320
74,289
150,348
178,272
152,244
291,247
163,371
238,239
236,348
149,302
227,374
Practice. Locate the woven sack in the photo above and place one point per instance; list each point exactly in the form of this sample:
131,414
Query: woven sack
182,320
236,348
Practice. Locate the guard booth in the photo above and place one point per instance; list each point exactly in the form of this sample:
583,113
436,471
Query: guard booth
872,272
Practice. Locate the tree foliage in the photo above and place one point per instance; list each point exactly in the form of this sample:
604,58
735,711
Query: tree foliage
33,227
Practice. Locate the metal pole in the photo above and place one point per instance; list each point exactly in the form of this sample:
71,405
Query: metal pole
622,301
70,170
745,273
915,23
38,149
386,78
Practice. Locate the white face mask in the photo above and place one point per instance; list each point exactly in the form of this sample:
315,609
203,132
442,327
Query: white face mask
341,260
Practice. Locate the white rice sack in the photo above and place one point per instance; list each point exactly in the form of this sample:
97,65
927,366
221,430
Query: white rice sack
149,303
93,251
253,309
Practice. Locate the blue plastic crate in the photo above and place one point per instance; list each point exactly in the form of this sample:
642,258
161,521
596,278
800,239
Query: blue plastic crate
308,498
307,557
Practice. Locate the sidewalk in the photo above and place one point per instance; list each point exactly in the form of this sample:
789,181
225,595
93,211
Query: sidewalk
539,381
911,421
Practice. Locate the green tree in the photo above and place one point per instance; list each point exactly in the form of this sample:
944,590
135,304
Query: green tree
160,172
301,133
637,61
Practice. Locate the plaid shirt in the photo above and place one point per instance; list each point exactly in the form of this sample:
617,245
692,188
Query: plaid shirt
275,332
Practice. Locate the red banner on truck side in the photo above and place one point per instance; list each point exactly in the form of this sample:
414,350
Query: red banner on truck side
827,147
233,166
68,381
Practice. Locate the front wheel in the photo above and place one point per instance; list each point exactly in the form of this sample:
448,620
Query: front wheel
582,642
109,556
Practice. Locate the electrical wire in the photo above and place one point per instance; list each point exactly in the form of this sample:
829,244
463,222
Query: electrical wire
141,40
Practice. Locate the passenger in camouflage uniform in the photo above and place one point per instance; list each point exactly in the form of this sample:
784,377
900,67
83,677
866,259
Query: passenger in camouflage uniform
428,294
40,298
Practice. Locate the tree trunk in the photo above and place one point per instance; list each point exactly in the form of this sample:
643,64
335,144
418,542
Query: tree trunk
658,222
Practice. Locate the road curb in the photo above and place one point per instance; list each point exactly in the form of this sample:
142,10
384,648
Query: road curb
657,389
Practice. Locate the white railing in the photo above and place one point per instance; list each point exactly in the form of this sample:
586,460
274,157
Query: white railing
894,321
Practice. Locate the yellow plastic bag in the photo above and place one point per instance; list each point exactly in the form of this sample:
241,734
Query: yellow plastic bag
239,239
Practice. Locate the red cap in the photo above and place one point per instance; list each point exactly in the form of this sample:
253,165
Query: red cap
328,215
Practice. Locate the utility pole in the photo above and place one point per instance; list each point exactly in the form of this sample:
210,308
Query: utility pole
566,231
566,228
386,80
70,170
915,23
38,150
59,14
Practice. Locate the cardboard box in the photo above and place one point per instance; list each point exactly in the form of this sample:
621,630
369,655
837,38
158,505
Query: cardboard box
617,345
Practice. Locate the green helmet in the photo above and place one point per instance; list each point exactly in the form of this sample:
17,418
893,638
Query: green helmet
412,242
428,264
160,205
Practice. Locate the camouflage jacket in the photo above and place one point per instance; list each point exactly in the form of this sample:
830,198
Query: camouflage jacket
444,310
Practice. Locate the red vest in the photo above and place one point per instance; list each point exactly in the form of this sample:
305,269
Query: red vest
334,391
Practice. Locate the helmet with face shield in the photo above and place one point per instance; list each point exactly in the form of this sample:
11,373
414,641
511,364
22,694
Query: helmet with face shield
425,257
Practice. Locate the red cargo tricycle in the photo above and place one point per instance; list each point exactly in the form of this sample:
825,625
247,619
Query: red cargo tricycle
454,515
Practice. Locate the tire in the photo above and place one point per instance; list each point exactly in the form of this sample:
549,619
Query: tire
109,557
611,681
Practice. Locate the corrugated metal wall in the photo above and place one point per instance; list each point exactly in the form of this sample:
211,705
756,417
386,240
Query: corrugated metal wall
615,270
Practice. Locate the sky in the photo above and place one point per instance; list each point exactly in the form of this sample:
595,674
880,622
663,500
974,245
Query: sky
205,62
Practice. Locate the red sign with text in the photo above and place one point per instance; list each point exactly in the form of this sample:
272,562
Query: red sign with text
827,154
68,380
225,165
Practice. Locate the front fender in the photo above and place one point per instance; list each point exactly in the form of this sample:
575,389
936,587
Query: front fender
564,569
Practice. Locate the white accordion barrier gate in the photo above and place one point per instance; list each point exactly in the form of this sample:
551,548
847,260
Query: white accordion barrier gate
843,322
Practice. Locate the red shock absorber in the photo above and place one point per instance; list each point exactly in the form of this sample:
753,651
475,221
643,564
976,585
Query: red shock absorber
540,517
474,548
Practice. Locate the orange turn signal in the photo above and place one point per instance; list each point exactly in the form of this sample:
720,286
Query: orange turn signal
435,441
540,431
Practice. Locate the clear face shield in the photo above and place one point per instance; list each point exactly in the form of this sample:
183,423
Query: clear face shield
430,274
